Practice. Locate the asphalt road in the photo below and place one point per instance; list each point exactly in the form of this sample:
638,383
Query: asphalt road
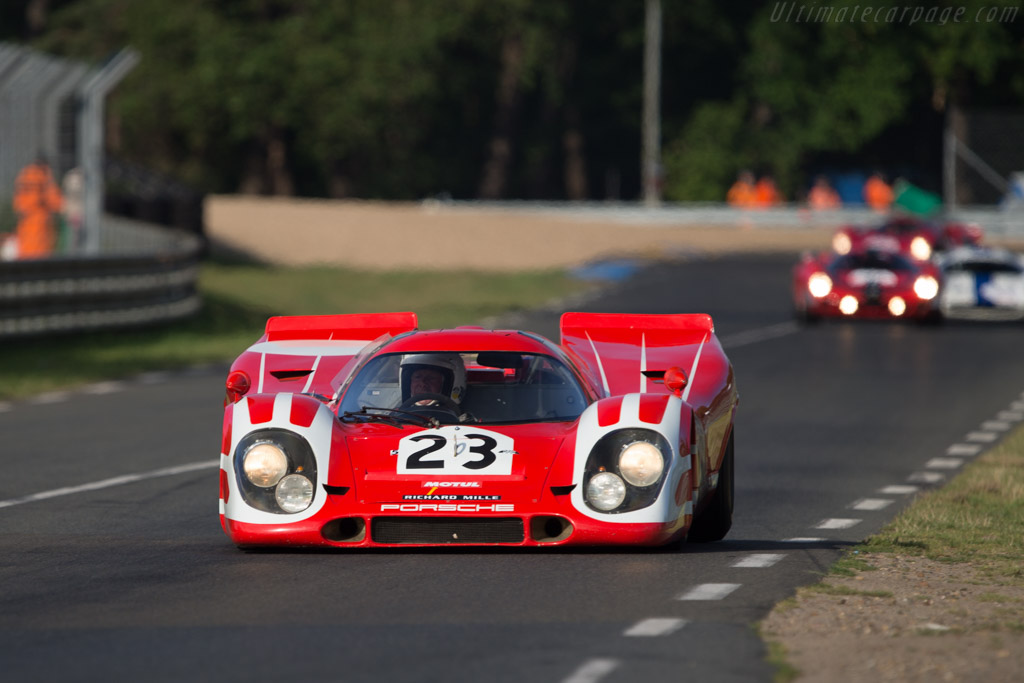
132,578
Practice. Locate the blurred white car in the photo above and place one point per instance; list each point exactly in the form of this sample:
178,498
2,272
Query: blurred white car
982,283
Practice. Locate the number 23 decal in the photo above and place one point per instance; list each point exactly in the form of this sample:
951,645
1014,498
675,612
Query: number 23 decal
450,450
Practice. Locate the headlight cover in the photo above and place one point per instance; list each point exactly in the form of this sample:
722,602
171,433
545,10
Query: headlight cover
263,482
819,285
606,491
926,287
920,249
841,243
641,463
265,464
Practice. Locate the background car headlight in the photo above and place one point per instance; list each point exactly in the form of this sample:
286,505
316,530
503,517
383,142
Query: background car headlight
264,464
926,287
641,463
842,243
294,493
920,249
819,285
606,491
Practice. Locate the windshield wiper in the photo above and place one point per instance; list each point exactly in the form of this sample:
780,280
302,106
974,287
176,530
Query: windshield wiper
391,416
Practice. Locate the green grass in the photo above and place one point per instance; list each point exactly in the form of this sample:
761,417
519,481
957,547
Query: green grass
238,299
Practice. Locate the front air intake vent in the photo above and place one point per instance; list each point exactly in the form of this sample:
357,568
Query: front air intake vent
446,530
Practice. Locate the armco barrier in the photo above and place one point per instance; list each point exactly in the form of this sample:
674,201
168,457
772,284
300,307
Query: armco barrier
146,274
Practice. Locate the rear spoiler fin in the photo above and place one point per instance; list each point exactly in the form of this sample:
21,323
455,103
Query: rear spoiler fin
604,325
368,326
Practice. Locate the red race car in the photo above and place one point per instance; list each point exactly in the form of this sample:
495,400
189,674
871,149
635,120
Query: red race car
915,237
358,431
865,284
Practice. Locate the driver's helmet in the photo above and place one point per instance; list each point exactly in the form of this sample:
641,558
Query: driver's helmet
449,364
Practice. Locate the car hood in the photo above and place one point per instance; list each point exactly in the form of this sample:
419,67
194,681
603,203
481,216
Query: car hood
454,462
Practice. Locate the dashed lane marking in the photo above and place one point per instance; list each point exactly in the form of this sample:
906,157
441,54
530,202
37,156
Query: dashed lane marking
4,406
758,560
107,483
1017,405
1010,415
927,477
592,670
982,437
944,463
995,425
872,504
709,591
837,523
899,489
804,539
656,626
101,388
50,397
963,449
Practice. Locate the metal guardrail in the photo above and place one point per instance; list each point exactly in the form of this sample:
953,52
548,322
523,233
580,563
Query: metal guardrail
147,274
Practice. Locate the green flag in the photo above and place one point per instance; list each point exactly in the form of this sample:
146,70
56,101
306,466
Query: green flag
913,199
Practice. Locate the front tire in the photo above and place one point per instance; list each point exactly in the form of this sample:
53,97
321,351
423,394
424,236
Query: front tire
715,520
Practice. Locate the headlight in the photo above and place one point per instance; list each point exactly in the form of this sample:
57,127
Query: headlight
294,493
848,305
897,306
926,287
819,285
606,491
841,243
641,463
264,464
920,249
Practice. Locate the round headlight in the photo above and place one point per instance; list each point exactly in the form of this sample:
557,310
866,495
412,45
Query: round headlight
819,285
897,306
606,491
920,249
848,305
264,464
641,463
926,287
294,493
842,243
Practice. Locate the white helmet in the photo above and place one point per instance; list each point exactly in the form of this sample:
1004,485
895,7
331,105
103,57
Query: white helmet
449,364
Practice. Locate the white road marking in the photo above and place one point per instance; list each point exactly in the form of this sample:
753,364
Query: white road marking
804,539
709,591
1010,415
760,334
927,477
4,406
592,670
759,560
871,504
1017,405
982,437
837,523
656,626
963,449
944,463
995,425
899,489
154,377
100,388
114,481
50,397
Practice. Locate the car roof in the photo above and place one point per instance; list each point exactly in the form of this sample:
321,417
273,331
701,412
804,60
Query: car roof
469,339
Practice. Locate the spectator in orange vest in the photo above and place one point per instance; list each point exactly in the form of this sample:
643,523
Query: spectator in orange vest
741,194
822,195
877,193
765,192
36,201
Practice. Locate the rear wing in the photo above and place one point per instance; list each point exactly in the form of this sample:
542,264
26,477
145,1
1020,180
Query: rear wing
627,351
366,326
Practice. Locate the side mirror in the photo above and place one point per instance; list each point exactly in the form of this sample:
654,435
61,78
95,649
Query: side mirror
675,380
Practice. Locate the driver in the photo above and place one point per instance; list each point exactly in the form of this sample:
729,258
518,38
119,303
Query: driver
433,373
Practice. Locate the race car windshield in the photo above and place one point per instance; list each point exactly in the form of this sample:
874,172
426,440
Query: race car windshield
872,260
500,387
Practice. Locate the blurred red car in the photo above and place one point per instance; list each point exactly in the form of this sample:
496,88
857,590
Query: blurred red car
915,237
865,284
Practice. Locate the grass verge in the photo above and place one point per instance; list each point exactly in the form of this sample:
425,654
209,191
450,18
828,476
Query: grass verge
238,299
976,521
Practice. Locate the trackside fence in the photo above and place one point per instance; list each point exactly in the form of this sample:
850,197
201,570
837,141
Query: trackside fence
145,275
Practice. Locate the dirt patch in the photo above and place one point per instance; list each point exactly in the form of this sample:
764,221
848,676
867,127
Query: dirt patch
911,619
377,235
